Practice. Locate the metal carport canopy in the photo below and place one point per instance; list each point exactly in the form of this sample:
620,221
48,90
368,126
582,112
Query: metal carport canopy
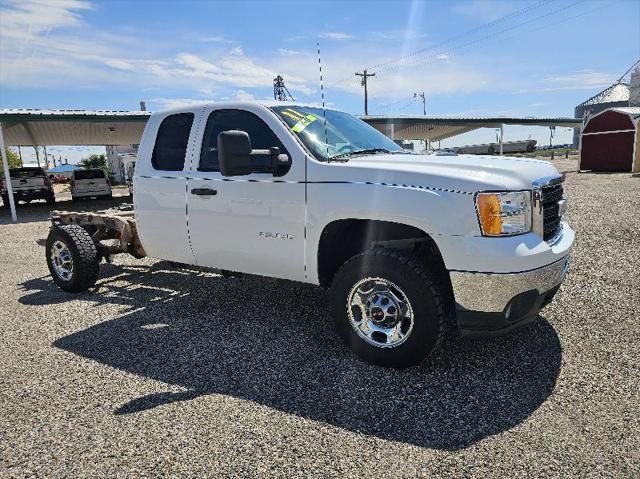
25,127
72,127
416,127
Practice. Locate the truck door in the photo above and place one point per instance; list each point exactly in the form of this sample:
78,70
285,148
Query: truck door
161,184
255,223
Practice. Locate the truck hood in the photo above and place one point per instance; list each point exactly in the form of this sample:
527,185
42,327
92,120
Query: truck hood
466,173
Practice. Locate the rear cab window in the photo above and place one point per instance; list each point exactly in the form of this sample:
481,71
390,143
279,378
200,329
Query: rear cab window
88,174
27,173
172,139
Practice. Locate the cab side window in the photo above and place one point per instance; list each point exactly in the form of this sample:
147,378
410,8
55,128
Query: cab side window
171,142
262,137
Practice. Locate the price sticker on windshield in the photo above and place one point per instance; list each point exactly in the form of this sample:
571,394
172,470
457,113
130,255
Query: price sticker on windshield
303,121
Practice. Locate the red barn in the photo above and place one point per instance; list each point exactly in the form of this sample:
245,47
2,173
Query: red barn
610,141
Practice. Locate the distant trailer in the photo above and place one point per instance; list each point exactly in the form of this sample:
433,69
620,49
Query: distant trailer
524,146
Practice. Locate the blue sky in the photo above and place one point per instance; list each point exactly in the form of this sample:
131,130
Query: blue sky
471,58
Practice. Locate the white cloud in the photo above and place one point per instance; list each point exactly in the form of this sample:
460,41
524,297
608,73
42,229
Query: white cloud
339,36
214,39
67,51
167,103
288,52
243,96
579,80
582,79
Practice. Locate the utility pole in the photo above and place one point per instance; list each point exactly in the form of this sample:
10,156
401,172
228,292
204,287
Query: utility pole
364,76
424,102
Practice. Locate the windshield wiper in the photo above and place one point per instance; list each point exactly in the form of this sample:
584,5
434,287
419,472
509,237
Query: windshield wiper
360,152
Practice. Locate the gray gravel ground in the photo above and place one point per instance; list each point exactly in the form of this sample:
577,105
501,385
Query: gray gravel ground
170,372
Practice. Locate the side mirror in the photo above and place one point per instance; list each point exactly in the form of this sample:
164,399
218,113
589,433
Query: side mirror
279,161
234,153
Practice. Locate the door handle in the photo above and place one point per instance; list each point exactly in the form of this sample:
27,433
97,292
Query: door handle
204,192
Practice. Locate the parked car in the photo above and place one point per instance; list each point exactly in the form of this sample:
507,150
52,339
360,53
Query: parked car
90,183
405,244
28,184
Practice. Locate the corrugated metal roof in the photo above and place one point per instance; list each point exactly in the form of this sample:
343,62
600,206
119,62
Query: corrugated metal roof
28,127
629,110
615,93
413,127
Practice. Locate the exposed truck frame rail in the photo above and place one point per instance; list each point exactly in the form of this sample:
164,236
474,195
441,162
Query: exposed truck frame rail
115,224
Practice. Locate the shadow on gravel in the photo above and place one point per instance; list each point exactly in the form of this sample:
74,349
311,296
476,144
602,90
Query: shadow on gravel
274,343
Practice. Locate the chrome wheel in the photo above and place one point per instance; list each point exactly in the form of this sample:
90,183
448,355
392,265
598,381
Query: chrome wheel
62,260
380,312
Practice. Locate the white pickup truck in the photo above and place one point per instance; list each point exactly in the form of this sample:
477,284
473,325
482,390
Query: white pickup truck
405,242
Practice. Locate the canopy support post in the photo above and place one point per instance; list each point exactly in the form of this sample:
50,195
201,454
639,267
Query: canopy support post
7,177
501,134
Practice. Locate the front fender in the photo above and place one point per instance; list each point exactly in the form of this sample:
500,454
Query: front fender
435,212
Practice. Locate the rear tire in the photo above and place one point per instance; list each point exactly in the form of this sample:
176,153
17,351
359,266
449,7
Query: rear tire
388,308
5,201
72,258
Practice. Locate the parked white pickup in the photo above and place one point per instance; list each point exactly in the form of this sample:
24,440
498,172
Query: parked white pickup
406,242
90,183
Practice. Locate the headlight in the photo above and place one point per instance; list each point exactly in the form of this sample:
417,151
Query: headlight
504,214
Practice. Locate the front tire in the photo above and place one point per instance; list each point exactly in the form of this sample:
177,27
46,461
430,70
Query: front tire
388,308
72,258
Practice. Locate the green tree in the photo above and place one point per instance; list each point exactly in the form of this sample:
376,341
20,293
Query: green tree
97,162
13,159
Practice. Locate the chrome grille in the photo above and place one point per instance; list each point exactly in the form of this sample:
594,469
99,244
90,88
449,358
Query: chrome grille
551,195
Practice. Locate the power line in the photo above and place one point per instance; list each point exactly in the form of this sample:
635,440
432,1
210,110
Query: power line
481,39
457,37
625,73
490,24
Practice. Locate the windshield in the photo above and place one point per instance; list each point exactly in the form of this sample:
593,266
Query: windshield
345,135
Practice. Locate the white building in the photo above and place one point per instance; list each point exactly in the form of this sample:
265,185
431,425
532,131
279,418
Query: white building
119,157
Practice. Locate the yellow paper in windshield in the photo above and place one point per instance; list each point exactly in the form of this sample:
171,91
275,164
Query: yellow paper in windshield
303,120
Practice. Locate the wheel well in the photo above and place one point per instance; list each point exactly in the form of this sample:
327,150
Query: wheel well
343,239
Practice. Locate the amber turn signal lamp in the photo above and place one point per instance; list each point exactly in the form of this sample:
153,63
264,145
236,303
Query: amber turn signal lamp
489,211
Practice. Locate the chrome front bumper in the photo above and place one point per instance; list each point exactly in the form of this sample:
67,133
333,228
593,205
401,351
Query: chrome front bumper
489,303
489,292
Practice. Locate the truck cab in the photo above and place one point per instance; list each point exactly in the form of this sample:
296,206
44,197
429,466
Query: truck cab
406,243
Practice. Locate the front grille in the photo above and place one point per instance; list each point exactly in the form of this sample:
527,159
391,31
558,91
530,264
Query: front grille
551,194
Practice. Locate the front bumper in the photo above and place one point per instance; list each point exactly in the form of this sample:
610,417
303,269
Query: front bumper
495,303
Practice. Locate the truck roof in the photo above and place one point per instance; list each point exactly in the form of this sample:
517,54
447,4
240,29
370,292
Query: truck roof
236,104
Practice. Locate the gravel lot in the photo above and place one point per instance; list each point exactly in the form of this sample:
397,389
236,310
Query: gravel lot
170,372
